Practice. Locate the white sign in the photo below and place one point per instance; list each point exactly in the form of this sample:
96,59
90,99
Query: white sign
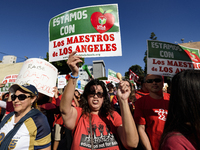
92,31
61,81
39,73
167,59
8,81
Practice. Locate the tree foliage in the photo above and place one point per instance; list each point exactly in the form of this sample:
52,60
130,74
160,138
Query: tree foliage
62,66
152,37
136,69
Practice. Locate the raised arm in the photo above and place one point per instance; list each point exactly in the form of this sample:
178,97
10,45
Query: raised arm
68,112
128,131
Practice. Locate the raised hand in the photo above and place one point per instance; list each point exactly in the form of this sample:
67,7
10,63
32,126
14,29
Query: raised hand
123,91
73,62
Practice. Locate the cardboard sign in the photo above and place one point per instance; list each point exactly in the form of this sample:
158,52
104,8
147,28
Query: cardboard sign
61,81
39,73
92,31
112,76
168,59
8,81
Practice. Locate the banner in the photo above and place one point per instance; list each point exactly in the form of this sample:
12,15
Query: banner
112,76
168,59
8,81
133,76
92,31
39,73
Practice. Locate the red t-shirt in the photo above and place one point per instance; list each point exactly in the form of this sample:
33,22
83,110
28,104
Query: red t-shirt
57,117
104,131
140,93
176,141
152,113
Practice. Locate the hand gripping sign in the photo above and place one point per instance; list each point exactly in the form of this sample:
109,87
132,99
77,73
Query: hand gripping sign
39,73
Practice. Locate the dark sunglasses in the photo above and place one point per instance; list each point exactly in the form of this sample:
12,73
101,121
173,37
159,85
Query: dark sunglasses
21,97
99,94
153,80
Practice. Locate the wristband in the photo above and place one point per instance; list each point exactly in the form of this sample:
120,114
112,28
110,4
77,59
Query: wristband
74,76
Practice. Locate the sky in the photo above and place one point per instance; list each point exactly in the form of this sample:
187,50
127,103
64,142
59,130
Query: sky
24,27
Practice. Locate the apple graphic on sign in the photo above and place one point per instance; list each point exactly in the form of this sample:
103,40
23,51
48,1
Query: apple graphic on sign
102,21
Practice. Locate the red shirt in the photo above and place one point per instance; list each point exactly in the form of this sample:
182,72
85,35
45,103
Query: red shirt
152,113
104,131
176,141
140,93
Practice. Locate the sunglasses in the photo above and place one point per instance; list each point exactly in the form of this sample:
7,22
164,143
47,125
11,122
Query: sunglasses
99,94
21,97
153,80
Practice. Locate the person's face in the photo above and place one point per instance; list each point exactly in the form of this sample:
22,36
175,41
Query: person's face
154,83
77,95
128,85
22,106
95,98
110,87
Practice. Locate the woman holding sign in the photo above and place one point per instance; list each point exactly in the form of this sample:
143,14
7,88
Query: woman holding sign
25,127
95,125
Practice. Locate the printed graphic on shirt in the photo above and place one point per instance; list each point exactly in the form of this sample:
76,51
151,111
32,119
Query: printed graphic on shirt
102,141
162,114
13,142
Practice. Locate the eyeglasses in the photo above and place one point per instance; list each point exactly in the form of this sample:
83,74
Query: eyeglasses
21,97
99,94
153,80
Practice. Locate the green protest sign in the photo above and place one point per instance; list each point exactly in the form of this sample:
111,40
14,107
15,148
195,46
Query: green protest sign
8,81
92,31
167,59
112,76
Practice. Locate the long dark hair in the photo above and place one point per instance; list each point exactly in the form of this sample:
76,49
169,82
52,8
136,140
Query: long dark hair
184,106
106,107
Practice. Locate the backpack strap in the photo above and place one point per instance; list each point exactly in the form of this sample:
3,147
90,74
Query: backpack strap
6,141
6,118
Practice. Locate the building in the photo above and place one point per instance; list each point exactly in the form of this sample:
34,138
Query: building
99,69
9,59
191,45
8,69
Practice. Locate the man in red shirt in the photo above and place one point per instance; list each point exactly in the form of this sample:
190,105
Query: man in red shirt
151,112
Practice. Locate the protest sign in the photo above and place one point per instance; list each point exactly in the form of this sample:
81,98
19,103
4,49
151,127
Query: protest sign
39,73
112,76
61,81
168,59
92,31
8,81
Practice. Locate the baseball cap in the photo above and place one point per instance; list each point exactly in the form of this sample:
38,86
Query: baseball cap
26,87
